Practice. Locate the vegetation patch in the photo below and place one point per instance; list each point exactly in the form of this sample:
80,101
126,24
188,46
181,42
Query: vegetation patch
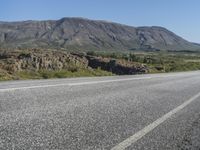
158,62
45,74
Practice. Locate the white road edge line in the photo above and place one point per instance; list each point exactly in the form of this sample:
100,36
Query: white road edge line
72,84
138,135
81,83
107,81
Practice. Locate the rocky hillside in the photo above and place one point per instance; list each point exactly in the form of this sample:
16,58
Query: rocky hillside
84,34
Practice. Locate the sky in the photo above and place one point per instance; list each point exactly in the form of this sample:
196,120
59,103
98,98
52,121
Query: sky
179,16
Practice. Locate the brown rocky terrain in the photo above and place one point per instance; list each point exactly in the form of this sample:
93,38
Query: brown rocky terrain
116,66
14,61
35,60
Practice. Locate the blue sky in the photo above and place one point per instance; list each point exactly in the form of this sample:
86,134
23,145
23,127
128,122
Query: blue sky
180,16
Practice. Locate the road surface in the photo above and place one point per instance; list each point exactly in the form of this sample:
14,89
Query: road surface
157,111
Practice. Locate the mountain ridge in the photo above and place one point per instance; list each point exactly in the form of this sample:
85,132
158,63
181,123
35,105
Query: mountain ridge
86,34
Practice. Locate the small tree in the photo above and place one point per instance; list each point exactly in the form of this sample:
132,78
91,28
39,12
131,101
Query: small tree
145,60
132,57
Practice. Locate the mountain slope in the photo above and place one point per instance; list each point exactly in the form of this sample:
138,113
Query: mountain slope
85,34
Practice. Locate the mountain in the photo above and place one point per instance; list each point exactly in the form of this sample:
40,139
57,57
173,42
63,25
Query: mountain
85,34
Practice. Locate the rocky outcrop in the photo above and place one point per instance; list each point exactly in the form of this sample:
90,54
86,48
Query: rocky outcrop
120,67
36,60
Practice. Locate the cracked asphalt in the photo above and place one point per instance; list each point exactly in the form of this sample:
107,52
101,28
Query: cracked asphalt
101,113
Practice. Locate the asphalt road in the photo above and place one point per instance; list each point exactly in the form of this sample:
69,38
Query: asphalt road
159,111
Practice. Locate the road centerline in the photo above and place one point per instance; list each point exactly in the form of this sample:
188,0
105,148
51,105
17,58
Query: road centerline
141,133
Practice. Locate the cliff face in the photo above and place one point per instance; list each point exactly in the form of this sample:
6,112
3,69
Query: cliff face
15,61
85,34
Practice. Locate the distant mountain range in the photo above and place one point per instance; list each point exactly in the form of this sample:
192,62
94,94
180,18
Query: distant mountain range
85,34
